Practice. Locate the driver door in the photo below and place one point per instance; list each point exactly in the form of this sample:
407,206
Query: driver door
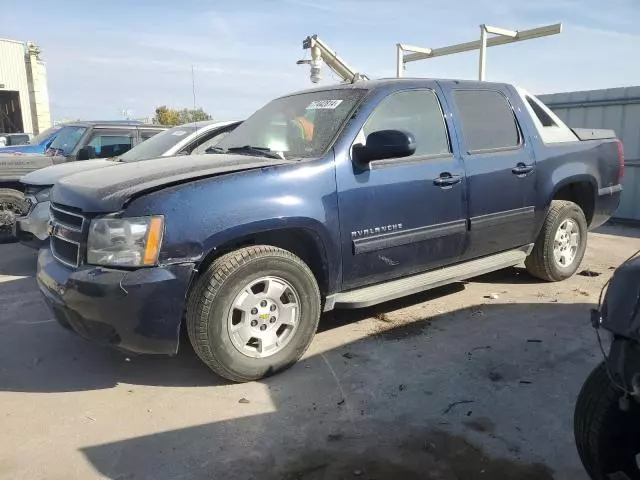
396,217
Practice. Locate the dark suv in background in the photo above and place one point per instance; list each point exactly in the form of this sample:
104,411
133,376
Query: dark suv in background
86,140
74,141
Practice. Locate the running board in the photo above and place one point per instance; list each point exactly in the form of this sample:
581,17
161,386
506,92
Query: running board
383,292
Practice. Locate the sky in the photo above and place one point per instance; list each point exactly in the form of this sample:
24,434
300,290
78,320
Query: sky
106,57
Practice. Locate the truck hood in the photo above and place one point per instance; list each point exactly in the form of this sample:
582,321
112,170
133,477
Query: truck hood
50,175
109,189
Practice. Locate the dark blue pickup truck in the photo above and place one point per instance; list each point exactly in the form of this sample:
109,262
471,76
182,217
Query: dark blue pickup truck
339,197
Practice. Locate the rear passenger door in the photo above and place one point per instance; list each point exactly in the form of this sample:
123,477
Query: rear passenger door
500,170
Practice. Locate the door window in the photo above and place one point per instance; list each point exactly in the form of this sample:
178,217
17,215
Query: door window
207,142
109,144
488,122
415,111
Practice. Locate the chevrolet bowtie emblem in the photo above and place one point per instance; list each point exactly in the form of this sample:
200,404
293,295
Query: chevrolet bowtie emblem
49,228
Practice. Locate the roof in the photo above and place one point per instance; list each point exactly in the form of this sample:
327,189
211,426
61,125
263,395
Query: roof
209,123
112,123
395,82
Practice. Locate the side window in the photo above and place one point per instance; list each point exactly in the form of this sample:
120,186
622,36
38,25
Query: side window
543,116
487,120
416,111
205,142
110,144
147,134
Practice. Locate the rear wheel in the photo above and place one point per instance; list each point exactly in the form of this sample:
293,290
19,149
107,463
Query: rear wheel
561,244
253,312
608,439
12,205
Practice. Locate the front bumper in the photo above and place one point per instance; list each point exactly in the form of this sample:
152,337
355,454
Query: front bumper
31,230
138,310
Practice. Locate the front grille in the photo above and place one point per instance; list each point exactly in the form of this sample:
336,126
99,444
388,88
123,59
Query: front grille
66,235
64,251
66,217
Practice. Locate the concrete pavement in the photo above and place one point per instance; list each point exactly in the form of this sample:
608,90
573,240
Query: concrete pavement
474,380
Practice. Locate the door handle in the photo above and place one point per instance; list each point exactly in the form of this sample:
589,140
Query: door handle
447,180
522,169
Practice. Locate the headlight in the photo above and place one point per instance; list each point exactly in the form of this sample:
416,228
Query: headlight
125,242
43,195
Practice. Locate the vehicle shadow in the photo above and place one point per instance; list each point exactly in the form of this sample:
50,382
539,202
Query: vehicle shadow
447,403
339,318
619,229
40,356
513,276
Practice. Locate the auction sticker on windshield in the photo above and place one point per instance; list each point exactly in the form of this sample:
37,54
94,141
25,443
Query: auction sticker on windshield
324,104
179,133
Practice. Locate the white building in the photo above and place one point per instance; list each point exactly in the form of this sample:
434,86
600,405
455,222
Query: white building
24,98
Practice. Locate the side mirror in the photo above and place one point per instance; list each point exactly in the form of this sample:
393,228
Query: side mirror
86,153
385,144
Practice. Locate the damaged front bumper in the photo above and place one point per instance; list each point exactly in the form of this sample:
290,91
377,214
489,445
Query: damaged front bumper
138,311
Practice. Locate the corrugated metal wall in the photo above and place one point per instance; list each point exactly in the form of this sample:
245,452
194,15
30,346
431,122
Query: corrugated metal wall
613,108
13,75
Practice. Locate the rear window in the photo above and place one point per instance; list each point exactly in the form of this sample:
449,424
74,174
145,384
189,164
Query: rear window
488,123
543,116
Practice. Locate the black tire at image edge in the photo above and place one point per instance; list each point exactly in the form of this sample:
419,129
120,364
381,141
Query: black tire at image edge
605,436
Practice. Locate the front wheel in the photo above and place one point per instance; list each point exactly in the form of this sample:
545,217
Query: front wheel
561,244
253,312
12,205
608,439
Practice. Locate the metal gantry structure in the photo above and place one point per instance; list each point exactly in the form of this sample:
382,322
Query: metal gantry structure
502,37
322,54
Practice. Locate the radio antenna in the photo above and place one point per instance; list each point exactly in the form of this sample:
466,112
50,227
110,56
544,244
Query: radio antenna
193,91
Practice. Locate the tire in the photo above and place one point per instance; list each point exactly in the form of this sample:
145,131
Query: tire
12,204
541,262
606,437
212,311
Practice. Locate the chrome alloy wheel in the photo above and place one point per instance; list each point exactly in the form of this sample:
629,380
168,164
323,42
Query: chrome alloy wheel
264,316
566,243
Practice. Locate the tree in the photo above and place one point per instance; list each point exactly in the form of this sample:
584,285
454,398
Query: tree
172,116
194,115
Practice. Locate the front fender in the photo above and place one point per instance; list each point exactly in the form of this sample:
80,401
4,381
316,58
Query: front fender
205,214
323,240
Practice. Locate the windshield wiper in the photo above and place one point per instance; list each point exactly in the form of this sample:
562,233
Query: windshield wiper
215,150
262,151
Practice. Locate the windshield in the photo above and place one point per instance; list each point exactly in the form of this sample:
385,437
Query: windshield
42,136
297,126
67,139
157,145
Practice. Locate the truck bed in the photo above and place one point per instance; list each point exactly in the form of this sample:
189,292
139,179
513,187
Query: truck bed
593,133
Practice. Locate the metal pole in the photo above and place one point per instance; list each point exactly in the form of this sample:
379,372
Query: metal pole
399,60
483,52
